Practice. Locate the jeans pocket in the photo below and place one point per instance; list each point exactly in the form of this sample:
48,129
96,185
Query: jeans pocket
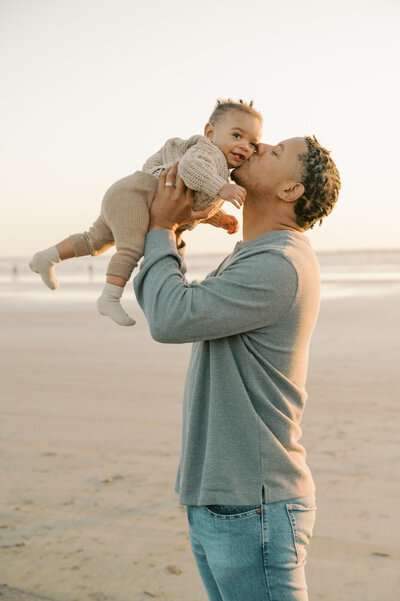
302,519
230,512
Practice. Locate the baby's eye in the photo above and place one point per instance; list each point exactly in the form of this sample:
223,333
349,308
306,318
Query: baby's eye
236,136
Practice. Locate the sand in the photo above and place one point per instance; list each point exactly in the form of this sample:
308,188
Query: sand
90,440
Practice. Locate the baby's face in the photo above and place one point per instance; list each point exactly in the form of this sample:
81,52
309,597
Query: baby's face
237,134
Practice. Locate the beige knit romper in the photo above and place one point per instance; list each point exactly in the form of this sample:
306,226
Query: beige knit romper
124,216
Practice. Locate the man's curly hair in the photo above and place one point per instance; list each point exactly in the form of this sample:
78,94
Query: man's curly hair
224,106
321,181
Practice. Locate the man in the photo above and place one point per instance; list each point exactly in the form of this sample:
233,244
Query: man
243,474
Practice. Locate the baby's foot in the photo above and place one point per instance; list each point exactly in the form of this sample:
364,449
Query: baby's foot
43,263
109,304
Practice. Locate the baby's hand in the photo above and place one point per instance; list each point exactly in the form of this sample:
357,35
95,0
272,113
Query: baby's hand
229,223
234,193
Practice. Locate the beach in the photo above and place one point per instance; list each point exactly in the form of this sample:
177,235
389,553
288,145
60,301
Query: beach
90,442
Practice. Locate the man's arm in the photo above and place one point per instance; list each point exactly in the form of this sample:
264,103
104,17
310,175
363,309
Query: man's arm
251,292
181,248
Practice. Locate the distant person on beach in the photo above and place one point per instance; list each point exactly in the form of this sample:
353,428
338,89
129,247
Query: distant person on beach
243,475
230,138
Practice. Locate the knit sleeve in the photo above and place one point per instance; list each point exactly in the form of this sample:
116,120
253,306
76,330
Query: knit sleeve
153,162
201,167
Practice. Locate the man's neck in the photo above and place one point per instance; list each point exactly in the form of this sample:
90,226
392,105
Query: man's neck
260,218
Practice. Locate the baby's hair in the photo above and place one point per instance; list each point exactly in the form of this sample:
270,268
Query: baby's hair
224,106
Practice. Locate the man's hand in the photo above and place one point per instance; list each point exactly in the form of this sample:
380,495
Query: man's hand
233,193
229,223
173,204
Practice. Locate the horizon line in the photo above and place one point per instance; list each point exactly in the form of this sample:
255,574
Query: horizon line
218,253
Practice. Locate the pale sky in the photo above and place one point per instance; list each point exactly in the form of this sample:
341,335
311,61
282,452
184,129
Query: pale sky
91,88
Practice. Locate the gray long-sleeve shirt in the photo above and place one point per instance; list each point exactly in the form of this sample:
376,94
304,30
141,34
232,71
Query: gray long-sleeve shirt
251,322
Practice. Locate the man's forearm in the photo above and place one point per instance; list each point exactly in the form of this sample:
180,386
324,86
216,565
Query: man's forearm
178,233
249,294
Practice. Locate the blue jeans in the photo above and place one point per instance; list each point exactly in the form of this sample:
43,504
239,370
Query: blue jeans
253,553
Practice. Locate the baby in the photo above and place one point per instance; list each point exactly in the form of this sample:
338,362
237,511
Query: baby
230,137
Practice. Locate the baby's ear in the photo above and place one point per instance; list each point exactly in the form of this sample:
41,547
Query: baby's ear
209,130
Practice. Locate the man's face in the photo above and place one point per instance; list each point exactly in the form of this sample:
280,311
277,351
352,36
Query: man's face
272,167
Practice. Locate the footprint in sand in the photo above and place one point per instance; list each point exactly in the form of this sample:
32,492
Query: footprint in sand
174,570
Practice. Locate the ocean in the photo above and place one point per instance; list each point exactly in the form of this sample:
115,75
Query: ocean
343,274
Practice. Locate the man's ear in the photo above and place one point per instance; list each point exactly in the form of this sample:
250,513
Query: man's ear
291,192
209,130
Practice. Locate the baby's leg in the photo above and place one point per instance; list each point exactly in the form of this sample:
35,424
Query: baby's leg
126,211
93,242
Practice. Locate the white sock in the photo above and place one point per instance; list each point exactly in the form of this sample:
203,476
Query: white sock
43,263
108,304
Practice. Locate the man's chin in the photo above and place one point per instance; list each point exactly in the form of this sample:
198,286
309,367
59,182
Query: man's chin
235,175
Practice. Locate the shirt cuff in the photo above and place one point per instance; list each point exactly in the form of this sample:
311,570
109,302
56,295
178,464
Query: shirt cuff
159,237
161,243
167,235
